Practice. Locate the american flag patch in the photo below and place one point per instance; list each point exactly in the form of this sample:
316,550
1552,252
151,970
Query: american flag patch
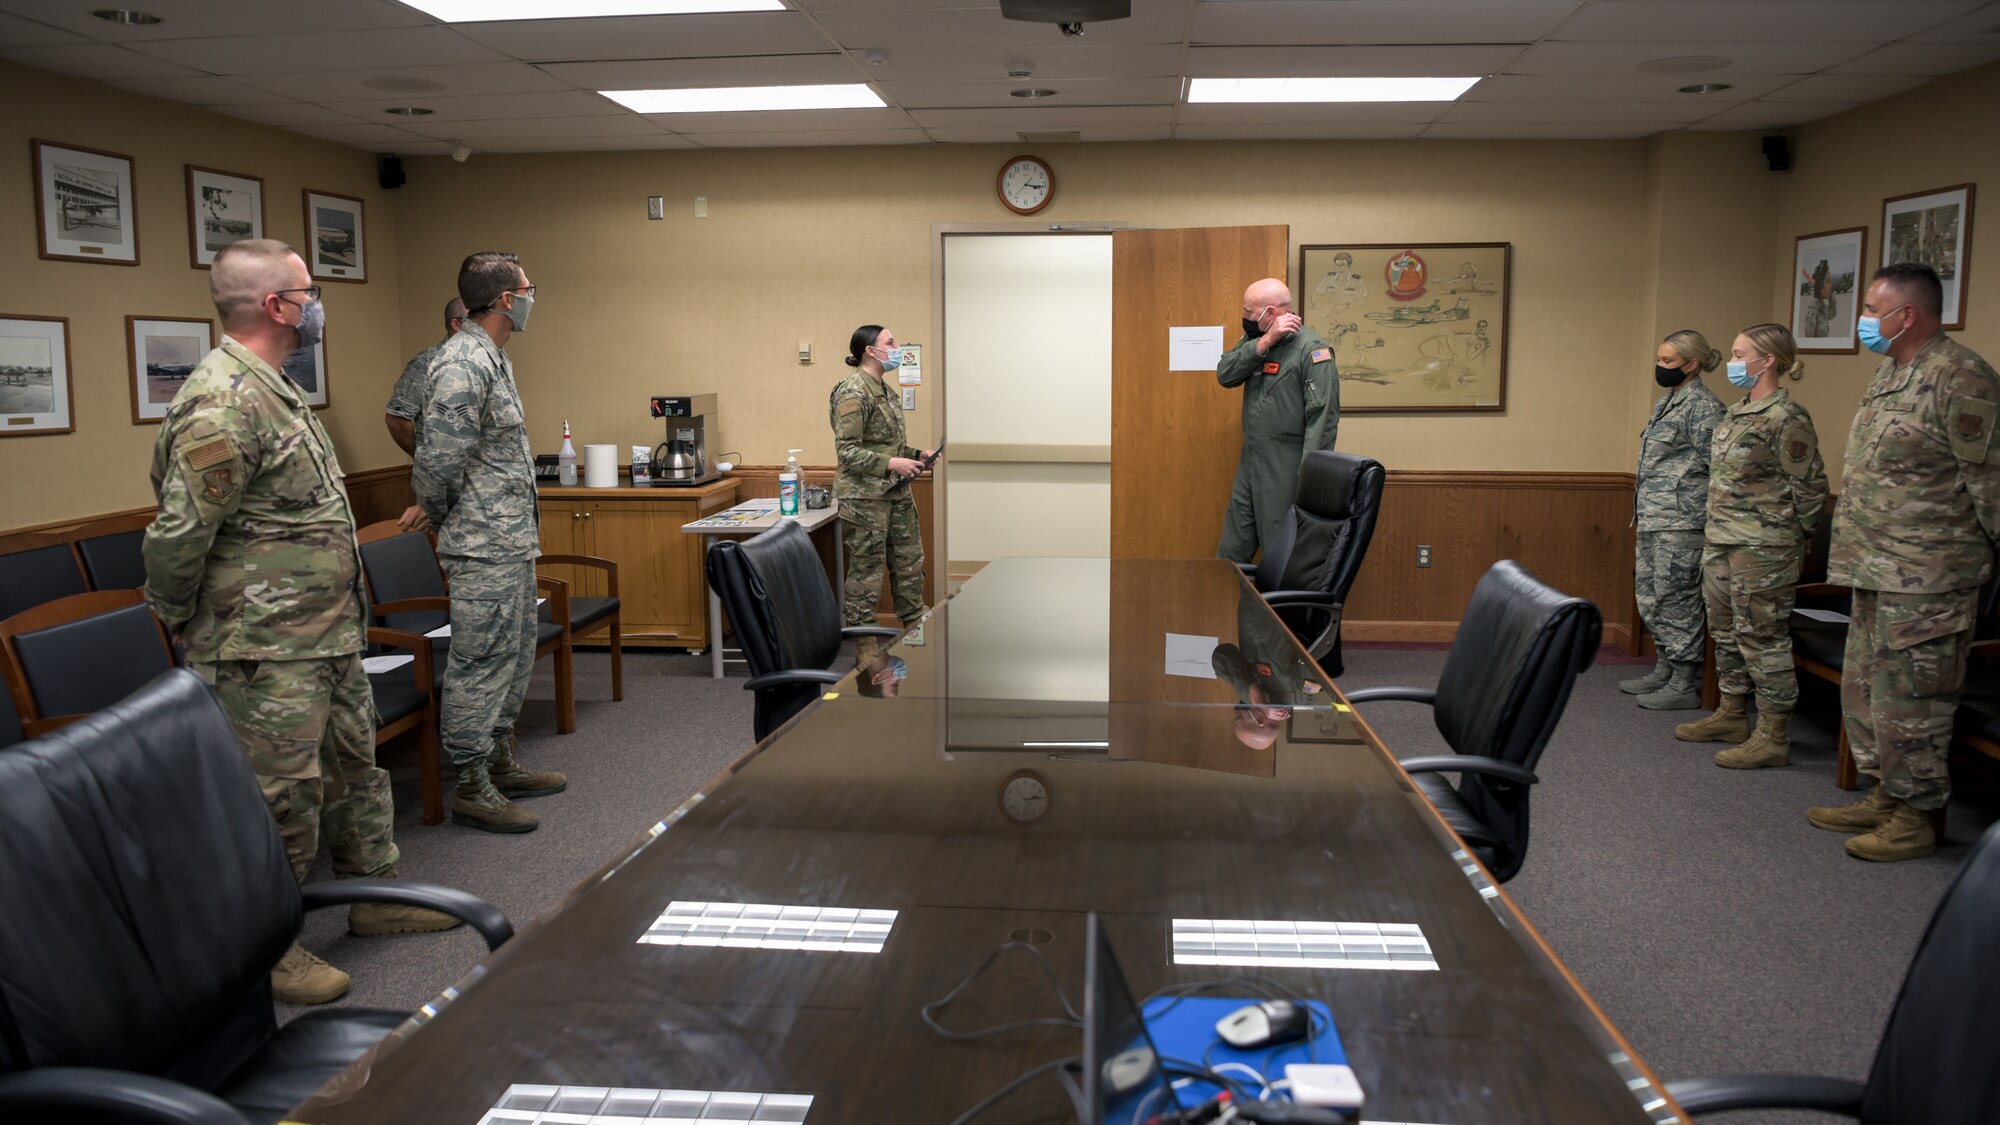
1321,355
208,453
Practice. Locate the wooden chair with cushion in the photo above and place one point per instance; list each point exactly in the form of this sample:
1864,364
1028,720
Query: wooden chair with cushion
405,699
77,655
37,567
111,550
591,614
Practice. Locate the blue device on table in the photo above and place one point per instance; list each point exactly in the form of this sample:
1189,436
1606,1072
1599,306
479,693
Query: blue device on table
1185,1030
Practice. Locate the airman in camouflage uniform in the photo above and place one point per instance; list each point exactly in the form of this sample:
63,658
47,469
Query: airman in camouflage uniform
875,459
1291,406
1766,496
251,562
406,402
1913,536
474,478
1669,508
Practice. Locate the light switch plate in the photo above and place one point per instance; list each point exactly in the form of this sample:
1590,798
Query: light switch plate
656,207
701,207
909,398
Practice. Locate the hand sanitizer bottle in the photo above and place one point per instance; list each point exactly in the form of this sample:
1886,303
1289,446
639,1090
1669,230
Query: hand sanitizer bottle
788,487
566,460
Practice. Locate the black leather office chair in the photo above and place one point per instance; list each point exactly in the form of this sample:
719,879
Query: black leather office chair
1935,1062
75,655
36,567
1311,561
787,618
112,550
135,994
1517,654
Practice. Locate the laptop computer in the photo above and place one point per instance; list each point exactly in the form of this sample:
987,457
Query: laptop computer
1124,1082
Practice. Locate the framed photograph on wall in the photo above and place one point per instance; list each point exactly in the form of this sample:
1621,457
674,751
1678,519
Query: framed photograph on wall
1827,283
163,352
307,368
1935,228
223,207
84,209
336,243
35,392
1415,327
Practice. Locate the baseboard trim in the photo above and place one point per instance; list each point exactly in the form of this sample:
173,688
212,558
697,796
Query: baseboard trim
1434,632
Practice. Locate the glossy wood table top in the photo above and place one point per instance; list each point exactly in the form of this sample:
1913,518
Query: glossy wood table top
868,804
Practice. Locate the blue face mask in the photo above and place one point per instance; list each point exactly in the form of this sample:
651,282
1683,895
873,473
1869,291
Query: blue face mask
1739,375
312,323
1869,329
893,359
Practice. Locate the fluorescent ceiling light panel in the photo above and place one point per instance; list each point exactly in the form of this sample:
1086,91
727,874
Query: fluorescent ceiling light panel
526,1104
486,11
1301,945
1328,89
738,99
753,925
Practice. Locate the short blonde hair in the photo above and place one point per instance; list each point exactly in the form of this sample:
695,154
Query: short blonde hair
1776,340
1693,347
244,272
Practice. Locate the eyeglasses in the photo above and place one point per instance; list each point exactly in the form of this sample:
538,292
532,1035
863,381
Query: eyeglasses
311,292
528,289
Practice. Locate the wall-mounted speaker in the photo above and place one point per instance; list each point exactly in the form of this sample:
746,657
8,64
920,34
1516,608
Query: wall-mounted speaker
390,175
1778,153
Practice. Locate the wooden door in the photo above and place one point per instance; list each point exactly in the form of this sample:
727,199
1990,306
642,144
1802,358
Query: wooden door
1175,435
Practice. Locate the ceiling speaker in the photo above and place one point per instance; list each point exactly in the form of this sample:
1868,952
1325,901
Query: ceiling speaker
390,173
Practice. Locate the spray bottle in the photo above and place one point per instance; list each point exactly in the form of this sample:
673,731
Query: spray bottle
566,460
788,487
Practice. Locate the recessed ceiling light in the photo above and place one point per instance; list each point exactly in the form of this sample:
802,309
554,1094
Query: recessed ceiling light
1328,89
126,16
408,111
1705,88
739,99
402,84
1684,64
486,11
1032,92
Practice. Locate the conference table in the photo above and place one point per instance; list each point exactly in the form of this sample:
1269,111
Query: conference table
1138,739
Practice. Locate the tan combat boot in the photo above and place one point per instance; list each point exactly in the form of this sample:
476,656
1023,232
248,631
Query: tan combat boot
1730,723
301,978
1868,813
373,919
1906,835
1770,746
514,780
476,804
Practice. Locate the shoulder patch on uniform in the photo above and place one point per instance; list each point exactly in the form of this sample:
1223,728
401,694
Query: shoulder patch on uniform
219,484
1322,355
212,452
1971,423
1271,367
849,406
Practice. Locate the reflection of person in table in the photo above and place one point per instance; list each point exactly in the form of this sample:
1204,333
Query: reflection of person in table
882,677
1269,671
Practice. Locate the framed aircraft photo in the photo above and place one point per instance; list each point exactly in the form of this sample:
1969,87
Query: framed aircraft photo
336,243
163,351
1414,327
35,392
223,207
84,209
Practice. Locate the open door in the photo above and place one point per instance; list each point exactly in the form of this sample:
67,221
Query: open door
1175,435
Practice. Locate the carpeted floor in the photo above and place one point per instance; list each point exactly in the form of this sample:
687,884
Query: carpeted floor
1718,929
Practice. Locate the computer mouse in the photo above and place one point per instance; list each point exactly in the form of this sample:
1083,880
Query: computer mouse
1266,1023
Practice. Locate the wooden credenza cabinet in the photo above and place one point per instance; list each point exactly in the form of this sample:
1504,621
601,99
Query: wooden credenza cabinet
661,586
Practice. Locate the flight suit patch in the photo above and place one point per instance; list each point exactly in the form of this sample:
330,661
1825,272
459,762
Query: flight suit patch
1322,355
218,484
1972,428
1309,687
1271,367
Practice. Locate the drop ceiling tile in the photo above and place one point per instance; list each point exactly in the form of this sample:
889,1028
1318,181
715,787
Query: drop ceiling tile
481,134
1846,88
1578,112
101,61
17,32
195,19
559,103
1923,58
650,37
1572,131
1045,119
782,121
1069,91
1980,26
643,142
1770,115
1050,149
1311,113
811,139
288,115
407,82
1136,60
360,135
1347,131
1624,58
1617,87
201,90
277,54
1753,21
675,74
927,28
1293,22
1342,62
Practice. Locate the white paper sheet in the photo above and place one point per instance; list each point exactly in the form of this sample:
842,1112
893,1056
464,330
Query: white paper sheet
1190,656
443,630
1196,348
1825,615
911,373
539,601
375,665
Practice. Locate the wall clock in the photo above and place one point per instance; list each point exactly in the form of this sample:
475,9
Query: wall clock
1024,796
1026,184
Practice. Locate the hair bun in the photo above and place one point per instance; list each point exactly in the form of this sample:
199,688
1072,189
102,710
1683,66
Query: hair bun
1797,369
851,361
1712,360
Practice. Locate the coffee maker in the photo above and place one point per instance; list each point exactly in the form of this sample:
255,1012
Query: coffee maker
682,459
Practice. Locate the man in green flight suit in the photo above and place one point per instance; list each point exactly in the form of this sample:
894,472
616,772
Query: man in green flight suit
1291,406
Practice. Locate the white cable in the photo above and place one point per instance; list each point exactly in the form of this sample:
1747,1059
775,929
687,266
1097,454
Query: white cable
1143,1111
1246,1068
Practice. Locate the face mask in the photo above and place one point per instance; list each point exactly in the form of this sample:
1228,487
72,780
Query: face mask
1668,376
1869,329
312,323
892,358
1251,326
1739,375
517,314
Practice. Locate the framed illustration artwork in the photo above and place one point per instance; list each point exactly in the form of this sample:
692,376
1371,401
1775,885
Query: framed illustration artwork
83,205
1414,326
223,207
307,368
163,352
1827,284
35,392
1935,228
336,243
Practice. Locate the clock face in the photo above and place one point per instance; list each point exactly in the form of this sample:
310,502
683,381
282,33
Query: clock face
1025,797
1026,185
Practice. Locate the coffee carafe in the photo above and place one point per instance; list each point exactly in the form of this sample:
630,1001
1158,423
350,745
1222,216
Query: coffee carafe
677,459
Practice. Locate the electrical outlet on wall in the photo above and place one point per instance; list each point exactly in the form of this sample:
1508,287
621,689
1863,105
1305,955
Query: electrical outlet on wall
909,398
701,207
1423,554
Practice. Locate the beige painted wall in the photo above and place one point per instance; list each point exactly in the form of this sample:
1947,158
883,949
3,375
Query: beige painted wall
1932,137
103,465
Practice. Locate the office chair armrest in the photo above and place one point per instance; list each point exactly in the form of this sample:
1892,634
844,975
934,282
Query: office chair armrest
1321,598
557,592
609,567
870,631
469,908
123,1094
1246,569
417,645
792,676
1984,651
1767,1091
1471,763
36,728
1401,694
410,605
